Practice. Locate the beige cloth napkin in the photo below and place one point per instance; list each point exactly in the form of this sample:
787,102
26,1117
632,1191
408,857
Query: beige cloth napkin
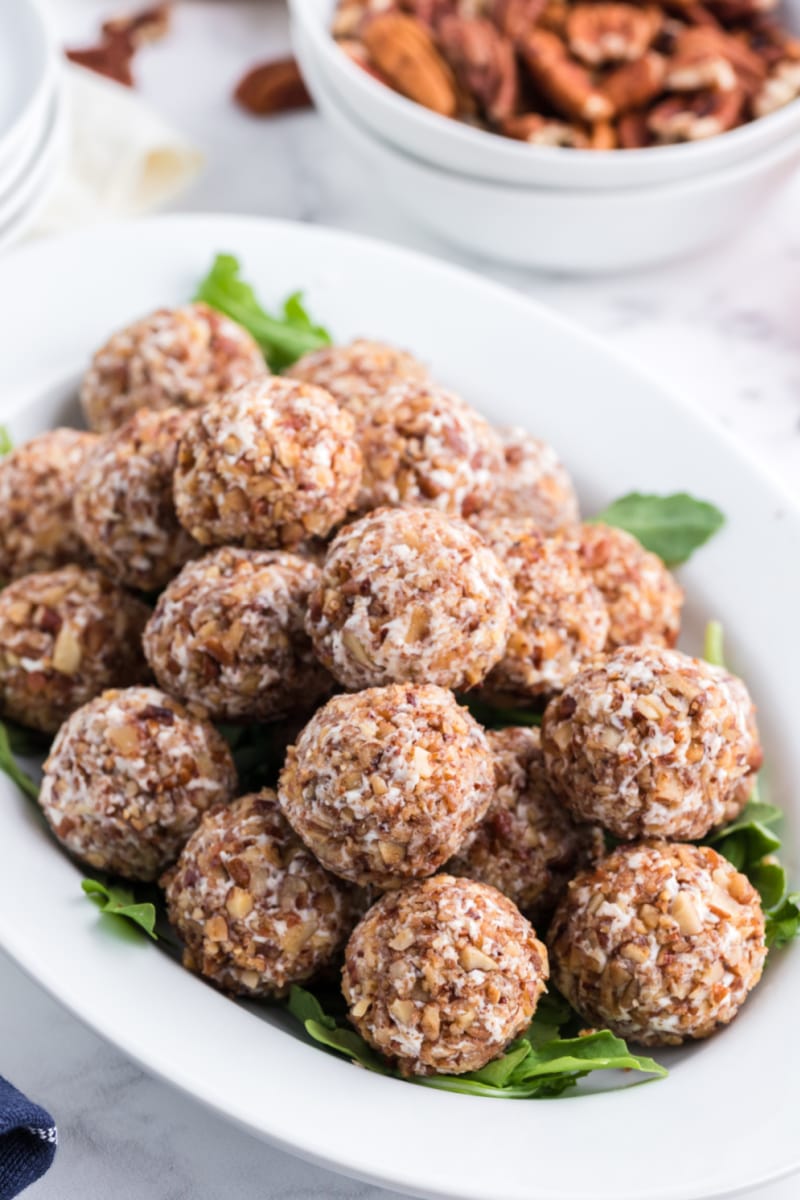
122,158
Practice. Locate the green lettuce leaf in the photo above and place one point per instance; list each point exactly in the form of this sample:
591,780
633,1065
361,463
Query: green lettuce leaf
783,921
671,526
10,767
117,901
283,338
6,444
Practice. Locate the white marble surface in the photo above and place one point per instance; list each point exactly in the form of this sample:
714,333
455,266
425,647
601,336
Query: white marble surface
723,329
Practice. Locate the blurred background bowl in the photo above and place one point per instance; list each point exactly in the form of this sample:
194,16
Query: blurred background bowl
576,230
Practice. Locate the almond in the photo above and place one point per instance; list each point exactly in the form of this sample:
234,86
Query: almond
272,87
404,52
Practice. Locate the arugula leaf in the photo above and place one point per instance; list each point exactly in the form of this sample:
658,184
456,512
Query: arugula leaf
6,444
120,902
783,922
671,526
538,1065
714,644
10,767
769,880
499,718
283,338
746,841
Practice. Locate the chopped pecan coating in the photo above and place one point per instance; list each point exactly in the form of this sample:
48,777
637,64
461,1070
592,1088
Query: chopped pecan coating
658,942
359,373
66,636
527,845
440,976
124,509
256,911
651,743
271,464
384,785
128,778
227,636
408,595
182,357
37,483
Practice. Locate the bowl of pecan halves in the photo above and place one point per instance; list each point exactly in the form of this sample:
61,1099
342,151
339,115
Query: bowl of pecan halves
500,89
572,136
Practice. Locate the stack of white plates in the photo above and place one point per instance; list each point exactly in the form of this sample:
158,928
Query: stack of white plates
32,116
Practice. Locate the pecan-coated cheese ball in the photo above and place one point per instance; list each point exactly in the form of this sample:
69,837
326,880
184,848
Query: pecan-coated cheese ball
124,509
128,778
37,481
384,785
423,445
643,599
272,464
659,942
527,845
359,373
410,595
560,617
651,743
227,636
174,357
66,636
441,975
533,482
255,909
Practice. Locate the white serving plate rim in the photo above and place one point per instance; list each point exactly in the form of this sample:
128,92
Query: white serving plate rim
430,1143
628,168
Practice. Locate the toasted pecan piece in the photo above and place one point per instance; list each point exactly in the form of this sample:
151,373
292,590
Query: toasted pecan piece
709,58
147,25
566,84
611,32
636,84
692,118
484,63
404,52
780,88
515,17
271,88
543,131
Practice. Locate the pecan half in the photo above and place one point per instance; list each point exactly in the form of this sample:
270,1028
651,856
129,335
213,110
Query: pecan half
603,136
484,63
635,84
729,11
781,87
112,58
632,131
542,131
403,50
710,58
694,117
272,87
554,17
515,17
610,32
566,84
147,25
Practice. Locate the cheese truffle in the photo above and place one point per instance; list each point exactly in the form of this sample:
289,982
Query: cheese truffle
643,599
532,483
358,374
174,357
270,465
527,845
659,942
227,636
385,784
256,911
66,636
423,445
560,618
651,743
124,509
37,482
128,778
441,975
410,595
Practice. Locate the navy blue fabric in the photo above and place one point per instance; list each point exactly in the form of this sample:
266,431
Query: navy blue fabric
27,1141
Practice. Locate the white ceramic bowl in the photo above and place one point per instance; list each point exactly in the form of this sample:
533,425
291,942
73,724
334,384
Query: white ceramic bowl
457,147
725,1118
574,231
28,80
